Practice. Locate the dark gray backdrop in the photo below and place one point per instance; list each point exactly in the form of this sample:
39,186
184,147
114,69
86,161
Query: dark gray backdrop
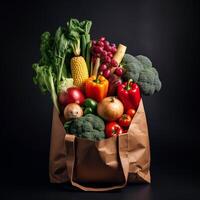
165,31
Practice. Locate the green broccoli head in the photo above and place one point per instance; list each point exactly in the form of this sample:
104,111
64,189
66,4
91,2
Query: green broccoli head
140,70
96,121
89,126
132,67
149,82
145,61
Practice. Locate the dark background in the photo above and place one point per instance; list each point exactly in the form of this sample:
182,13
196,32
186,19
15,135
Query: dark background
165,31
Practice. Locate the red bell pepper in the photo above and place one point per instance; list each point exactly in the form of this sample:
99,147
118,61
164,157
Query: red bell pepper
129,94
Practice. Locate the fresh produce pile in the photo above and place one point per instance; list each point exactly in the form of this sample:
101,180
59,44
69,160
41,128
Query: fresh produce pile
94,84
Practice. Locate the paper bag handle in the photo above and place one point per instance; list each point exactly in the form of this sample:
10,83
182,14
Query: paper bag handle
123,157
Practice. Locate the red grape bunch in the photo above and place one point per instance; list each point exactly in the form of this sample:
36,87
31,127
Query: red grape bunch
105,51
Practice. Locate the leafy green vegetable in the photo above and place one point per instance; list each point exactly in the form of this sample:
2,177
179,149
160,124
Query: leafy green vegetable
52,72
81,30
83,45
74,39
65,84
140,70
45,79
60,50
89,126
88,55
46,49
80,27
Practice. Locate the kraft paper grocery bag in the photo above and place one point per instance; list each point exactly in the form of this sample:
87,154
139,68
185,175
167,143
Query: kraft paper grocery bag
115,161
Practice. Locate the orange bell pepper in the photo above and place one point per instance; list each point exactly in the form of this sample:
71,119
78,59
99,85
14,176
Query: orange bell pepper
96,87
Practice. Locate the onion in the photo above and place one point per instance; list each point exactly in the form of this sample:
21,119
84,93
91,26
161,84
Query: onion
110,108
72,95
72,111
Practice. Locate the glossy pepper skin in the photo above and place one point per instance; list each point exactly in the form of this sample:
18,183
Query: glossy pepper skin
96,87
90,103
129,94
89,106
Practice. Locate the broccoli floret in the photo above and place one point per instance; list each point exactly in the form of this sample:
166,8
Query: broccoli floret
132,68
89,126
96,121
148,81
131,59
145,61
140,70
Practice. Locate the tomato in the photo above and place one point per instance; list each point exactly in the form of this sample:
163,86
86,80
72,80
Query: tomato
131,112
125,120
113,129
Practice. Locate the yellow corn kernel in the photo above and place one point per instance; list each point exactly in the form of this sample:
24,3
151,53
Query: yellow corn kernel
79,71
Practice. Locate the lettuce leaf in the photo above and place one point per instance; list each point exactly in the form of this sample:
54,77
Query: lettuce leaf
52,72
45,79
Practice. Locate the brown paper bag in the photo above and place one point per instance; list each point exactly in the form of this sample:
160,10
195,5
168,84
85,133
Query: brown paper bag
114,161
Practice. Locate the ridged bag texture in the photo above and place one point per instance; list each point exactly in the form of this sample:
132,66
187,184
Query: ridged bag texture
112,162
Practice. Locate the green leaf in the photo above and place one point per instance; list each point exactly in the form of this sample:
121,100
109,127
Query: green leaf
45,78
53,71
75,43
61,46
65,84
74,25
61,42
46,49
83,46
88,55
88,26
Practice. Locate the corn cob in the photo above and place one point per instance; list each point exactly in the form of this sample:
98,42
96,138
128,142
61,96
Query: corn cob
79,70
